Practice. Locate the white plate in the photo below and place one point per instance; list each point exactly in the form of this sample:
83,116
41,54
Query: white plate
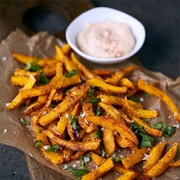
101,14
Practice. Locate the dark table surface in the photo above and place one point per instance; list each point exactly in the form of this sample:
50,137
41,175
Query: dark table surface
160,52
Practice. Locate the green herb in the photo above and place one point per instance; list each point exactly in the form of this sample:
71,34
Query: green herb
117,159
39,130
103,151
97,134
77,172
94,100
144,139
99,111
74,123
83,99
92,90
166,129
84,160
148,95
42,79
71,73
26,123
38,143
34,67
133,98
53,148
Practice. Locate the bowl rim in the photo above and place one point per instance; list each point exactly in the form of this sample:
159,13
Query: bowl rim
105,60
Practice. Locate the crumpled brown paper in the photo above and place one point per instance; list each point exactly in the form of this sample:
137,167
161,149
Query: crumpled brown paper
14,134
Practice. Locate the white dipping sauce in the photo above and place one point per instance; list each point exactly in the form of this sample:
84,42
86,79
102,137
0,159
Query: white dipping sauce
106,39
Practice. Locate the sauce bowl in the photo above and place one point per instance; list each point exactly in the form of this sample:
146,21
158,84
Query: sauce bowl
100,14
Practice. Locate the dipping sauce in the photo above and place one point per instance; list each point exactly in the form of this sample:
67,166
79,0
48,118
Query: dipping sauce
106,39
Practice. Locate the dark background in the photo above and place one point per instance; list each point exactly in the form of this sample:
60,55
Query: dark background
160,51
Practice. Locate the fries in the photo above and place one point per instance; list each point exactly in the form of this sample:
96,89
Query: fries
76,112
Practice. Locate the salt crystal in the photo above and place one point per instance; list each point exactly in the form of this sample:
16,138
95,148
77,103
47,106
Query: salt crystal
4,58
5,130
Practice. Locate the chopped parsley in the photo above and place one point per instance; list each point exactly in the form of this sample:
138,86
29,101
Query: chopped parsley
84,160
94,100
103,152
144,139
53,148
97,134
26,123
99,111
74,123
92,90
133,98
42,79
38,143
117,159
71,73
34,67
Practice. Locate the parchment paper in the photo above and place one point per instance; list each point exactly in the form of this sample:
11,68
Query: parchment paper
14,134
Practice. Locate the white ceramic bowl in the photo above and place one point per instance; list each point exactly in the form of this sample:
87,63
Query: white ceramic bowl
99,14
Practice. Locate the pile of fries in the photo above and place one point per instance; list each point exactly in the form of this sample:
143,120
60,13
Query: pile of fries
76,112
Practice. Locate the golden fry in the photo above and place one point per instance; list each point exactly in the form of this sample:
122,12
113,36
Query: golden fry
128,176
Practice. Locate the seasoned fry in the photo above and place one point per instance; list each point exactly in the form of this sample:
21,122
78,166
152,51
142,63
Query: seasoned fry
105,167
65,105
128,176
19,80
154,156
175,164
115,126
134,158
164,162
162,95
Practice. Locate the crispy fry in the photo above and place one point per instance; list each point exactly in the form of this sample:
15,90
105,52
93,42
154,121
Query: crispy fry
19,80
66,48
164,162
74,145
119,74
65,105
128,176
19,99
175,164
106,87
105,167
108,140
134,158
154,156
113,125
162,95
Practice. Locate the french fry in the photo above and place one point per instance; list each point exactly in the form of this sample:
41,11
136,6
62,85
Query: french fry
128,176
119,74
65,105
113,125
162,95
66,48
175,164
164,162
108,141
134,158
50,98
59,54
44,89
74,145
106,87
154,156
102,169
87,73
19,80
18,100
67,153
25,59
22,72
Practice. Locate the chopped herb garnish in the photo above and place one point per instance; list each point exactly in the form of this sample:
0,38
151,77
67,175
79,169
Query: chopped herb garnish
103,152
148,95
77,172
94,100
42,79
74,123
39,130
34,67
83,99
98,134
133,98
38,143
117,159
53,148
99,111
26,123
92,90
166,129
144,139
71,73
84,160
